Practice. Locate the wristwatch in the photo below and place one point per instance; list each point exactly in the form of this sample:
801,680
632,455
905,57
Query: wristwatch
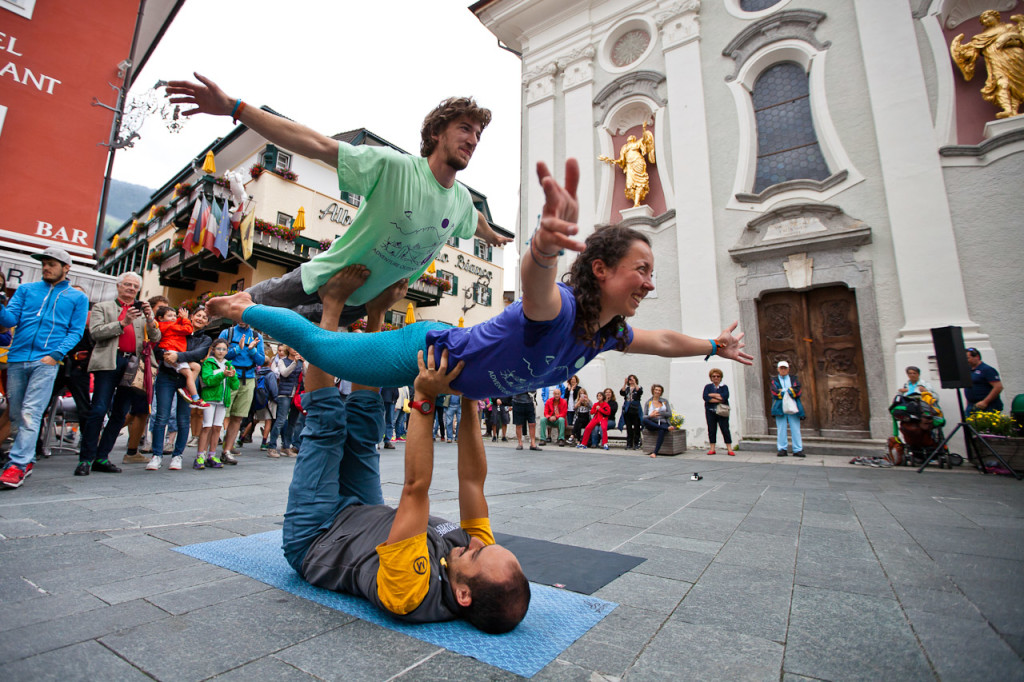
424,406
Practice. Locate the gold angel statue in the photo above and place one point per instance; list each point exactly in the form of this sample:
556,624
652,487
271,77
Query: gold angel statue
631,161
1002,46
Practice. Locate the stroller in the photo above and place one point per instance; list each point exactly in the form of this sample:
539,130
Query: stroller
918,419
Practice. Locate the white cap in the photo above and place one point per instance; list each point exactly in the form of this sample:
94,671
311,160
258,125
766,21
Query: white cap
783,363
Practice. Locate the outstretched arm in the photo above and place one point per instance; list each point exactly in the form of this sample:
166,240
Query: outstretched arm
487,233
208,98
670,344
541,300
472,465
414,505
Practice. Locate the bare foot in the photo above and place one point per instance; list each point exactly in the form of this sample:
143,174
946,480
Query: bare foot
652,455
230,307
387,298
343,284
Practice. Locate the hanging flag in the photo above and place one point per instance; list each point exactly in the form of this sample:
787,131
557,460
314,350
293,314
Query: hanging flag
246,231
212,226
220,244
191,234
201,227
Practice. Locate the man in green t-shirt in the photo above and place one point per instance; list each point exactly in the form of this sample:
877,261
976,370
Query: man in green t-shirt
411,207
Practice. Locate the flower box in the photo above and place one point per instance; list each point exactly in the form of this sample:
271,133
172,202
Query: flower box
674,444
1009,448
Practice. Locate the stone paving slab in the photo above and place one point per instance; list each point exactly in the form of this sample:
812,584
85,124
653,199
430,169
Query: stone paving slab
767,569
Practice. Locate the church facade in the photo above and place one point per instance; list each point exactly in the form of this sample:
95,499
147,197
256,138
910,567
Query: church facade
821,172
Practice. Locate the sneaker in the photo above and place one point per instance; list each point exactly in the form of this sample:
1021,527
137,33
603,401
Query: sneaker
28,469
294,451
388,445
401,439
799,453
605,446
264,446
146,448
214,462
273,453
134,458
154,463
12,477
192,442
581,446
183,394
175,463
199,463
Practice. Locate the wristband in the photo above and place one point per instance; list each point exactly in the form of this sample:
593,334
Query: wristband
561,252
714,350
539,264
236,113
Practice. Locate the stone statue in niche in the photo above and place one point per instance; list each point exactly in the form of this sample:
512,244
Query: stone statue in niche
1002,46
631,161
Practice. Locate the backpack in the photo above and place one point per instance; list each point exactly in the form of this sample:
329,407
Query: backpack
265,391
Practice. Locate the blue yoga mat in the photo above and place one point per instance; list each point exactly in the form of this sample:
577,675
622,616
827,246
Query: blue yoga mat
556,618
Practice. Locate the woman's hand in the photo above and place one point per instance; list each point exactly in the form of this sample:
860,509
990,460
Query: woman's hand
561,210
731,347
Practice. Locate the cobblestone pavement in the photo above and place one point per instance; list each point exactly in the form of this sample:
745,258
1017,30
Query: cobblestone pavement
766,569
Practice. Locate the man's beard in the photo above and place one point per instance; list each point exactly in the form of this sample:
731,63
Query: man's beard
456,162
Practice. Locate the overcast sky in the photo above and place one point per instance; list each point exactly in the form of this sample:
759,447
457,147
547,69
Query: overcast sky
336,65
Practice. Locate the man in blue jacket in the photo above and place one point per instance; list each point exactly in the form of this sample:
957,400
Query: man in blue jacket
245,351
50,318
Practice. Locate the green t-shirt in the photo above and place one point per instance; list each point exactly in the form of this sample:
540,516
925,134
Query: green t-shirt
405,218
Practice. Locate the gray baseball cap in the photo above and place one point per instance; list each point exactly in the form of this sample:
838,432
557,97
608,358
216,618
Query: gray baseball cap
56,253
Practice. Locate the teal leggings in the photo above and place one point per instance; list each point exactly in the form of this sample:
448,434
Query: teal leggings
381,359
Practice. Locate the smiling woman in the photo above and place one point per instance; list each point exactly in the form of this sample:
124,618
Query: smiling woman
553,331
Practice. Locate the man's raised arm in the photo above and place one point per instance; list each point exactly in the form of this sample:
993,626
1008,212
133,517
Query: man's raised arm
472,464
413,512
208,98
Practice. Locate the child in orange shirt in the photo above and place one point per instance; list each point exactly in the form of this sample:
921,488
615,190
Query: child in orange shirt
175,328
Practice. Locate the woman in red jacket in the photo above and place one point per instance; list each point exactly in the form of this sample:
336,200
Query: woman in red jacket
599,413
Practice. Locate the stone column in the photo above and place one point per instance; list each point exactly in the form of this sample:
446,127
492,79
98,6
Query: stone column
578,90
915,192
539,127
696,260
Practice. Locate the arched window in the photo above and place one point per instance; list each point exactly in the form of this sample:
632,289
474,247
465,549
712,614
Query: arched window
756,5
787,146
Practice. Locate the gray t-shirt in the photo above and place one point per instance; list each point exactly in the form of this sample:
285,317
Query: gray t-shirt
344,559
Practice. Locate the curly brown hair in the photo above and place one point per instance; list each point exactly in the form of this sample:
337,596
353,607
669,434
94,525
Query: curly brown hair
608,244
446,112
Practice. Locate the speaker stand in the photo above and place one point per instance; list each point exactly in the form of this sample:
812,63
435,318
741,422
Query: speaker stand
968,432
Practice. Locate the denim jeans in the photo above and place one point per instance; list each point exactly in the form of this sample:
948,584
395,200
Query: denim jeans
450,413
328,478
299,428
107,397
791,421
164,388
661,426
29,385
284,404
389,419
400,421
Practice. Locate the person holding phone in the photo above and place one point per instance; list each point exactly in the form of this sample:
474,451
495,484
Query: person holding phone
119,328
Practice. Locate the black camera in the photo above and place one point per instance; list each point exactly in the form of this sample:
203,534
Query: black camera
138,305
